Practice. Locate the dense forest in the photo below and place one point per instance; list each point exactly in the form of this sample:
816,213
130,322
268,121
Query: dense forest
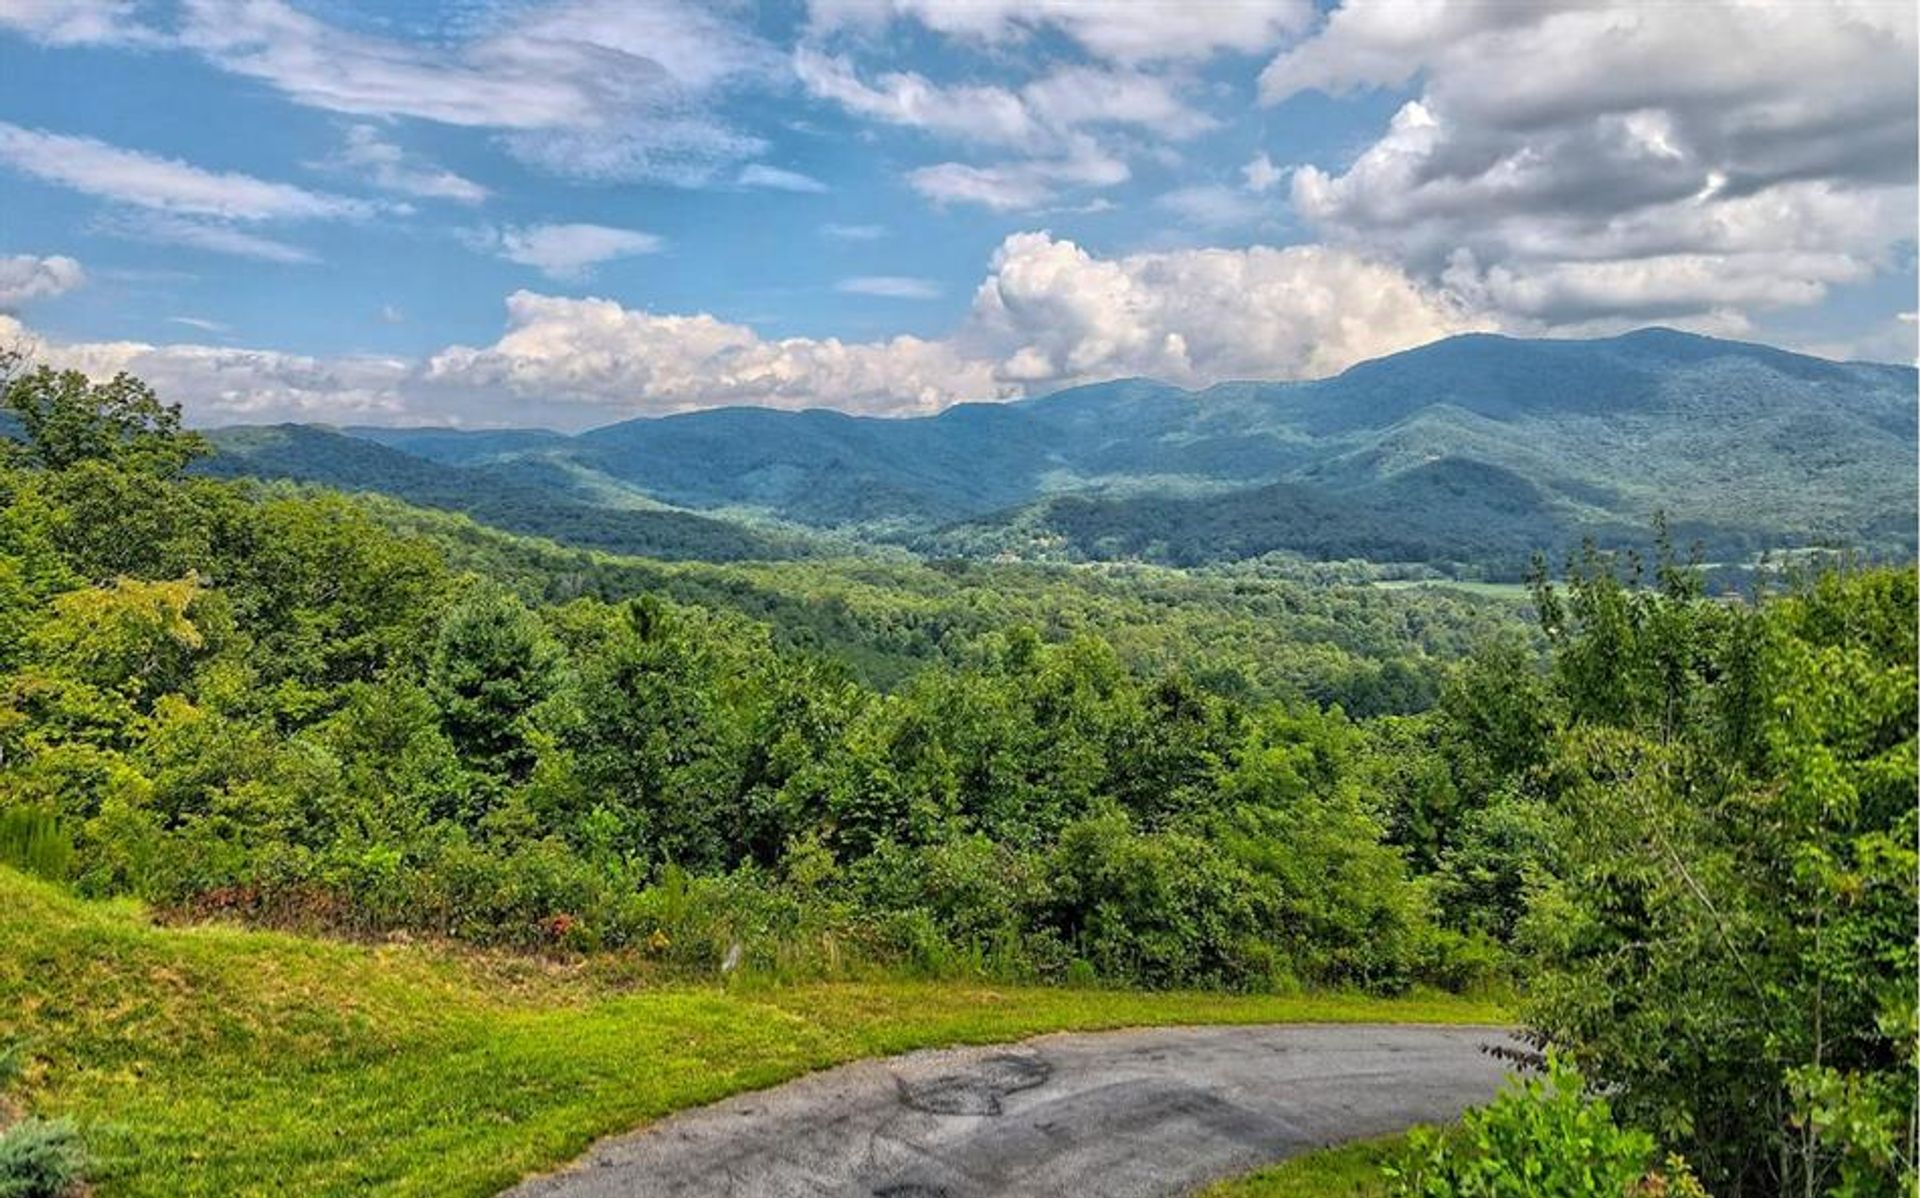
1681,825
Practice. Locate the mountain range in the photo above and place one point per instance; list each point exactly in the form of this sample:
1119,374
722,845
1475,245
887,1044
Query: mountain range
1467,454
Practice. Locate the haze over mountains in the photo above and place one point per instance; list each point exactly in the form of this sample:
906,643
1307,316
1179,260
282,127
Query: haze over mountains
1467,453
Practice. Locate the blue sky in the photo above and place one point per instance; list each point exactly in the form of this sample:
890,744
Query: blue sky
569,212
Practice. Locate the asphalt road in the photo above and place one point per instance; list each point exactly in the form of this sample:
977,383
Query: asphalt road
1114,1115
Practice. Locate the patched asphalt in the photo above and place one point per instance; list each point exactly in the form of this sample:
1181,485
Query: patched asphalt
1113,1114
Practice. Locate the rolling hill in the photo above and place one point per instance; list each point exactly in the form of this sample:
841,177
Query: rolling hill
1471,451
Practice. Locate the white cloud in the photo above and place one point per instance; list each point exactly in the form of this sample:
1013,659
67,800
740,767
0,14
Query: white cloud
218,385
889,286
212,236
1132,31
993,115
1021,183
368,155
24,277
1581,162
1048,314
76,22
758,174
1213,206
1056,314
1261,174
596,352
201,323
597,89
679,149
1049,121
853,232
1037,117
1895,339
564,251
145,180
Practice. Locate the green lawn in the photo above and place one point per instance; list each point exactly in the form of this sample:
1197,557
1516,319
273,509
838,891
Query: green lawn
1348,1171
215,1060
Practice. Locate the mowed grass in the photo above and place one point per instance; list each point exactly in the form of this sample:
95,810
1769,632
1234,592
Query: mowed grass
217,1060
1347,1171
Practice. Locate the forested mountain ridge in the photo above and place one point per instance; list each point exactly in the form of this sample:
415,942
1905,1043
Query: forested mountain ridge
542,497
1472,450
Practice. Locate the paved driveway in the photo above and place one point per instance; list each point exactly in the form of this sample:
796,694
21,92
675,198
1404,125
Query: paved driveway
1111,1114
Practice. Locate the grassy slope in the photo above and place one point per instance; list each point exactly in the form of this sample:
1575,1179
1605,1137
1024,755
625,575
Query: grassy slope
213,1060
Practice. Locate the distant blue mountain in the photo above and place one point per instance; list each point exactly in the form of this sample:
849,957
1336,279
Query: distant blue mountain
1473,449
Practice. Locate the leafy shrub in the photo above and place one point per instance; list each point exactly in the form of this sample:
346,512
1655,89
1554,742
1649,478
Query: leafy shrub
1159,909
40,1158
1541,1138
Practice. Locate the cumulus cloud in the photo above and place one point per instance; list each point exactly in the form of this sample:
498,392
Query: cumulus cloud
599,89
595,351
1125,32
564,251
25,277
1048,314
1261,174
368,155
1578,162
218,385
1057,314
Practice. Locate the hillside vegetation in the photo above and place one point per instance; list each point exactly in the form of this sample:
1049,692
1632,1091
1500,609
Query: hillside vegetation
1269,630
213,1060
1467,454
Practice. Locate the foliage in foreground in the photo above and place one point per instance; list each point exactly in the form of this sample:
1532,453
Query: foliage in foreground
40,1158
1541,1138
1726,940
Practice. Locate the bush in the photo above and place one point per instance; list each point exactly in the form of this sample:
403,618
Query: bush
1160,909
40,1158
1541,1138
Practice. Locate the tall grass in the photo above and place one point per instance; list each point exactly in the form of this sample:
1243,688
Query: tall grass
32,840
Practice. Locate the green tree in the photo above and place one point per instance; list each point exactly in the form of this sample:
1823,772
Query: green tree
68,418
491,668
1730,940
